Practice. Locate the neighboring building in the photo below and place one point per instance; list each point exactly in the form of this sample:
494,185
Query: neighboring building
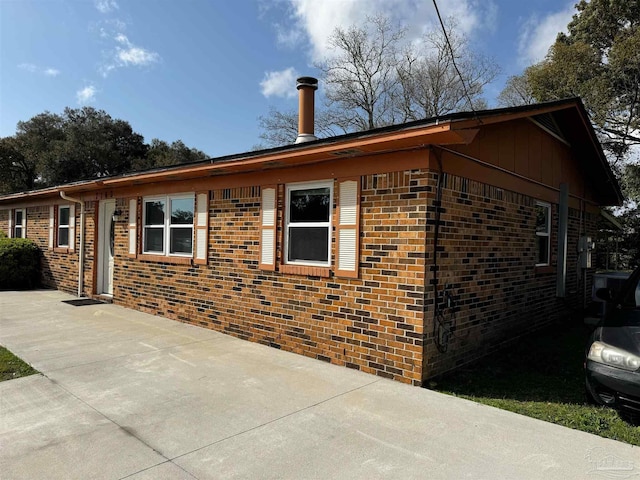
337,248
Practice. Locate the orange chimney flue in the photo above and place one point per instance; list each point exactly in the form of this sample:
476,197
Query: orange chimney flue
306,108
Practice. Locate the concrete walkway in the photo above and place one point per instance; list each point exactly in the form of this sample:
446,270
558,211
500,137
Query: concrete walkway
129,395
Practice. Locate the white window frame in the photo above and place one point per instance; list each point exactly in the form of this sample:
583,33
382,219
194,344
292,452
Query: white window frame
546,234
305,186
167,226
62,226
21,225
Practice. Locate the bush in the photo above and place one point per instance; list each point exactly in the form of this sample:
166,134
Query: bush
19,263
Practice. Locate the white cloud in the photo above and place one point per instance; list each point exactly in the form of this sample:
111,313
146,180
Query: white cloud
86,95
48,71
539,34
314,21
106,6
29,67
128,54
137,56
280,84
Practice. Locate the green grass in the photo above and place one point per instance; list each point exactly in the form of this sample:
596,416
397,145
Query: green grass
12,367
542,377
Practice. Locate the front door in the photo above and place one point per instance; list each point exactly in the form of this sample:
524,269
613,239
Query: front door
106,237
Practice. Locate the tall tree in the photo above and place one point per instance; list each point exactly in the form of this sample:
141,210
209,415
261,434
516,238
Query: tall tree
163,154
94,145
374,78
430,83
281,127
16,171
36,140
360,75
517,91
598,60
85,143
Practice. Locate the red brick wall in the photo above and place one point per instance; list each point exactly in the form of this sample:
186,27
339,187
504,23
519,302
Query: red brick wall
373,323
487,258
59,269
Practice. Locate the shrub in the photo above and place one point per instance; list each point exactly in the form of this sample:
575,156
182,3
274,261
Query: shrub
19,263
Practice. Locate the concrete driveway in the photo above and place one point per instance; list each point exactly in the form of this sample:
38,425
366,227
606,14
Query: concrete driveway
128,395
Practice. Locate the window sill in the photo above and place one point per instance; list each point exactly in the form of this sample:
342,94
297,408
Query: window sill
61,249
542,269
306,270
165,259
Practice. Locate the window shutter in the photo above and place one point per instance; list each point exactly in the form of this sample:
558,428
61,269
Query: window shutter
202,228
12,213
72,227
348,228
133,234
268,229
52,221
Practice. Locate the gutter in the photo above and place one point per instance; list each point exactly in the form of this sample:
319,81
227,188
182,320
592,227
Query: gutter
81,253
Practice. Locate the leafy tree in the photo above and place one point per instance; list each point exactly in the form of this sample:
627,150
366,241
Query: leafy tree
94,145
51,149
374,78
163,154
598,60
36,140
517,91
16,171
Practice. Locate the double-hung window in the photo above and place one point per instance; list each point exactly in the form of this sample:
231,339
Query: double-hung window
308,223
543,233
63,226
168,225
18,223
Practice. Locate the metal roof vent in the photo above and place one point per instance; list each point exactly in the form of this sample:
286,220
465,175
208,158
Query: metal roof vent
547,122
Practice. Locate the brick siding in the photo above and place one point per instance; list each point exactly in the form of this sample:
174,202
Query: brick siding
382,321
487,260
373,323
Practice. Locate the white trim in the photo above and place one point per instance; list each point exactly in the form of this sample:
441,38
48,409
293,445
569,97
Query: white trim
72,226
52,222
268,214
167,226
546,234
65,225
347,240
10,230
201,235
133,213
304,186
23,224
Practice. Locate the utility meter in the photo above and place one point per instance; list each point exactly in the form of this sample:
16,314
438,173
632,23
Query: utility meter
585,247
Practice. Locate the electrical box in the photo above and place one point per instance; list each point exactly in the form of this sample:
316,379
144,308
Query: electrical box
585,247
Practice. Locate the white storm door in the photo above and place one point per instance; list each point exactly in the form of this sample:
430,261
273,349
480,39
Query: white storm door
106,238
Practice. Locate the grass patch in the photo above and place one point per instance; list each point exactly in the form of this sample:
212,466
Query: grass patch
542,377
12,367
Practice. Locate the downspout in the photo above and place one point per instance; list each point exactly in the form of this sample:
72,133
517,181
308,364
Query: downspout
81,253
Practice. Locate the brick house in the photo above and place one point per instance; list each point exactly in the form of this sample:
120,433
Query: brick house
403,251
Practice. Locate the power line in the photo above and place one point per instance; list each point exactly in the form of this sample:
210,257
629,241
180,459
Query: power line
453,60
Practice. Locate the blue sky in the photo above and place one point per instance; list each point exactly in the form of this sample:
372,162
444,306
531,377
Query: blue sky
203,71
